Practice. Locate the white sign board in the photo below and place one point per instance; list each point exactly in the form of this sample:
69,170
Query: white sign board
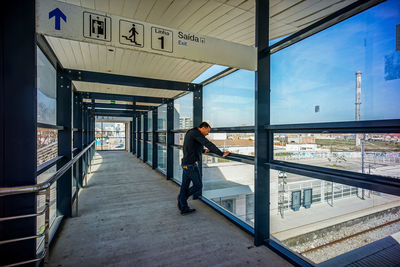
72,22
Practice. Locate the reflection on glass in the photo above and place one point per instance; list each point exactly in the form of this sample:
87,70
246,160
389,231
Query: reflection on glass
315,80
162,158
142,123
183,112
178,155
47,146
240,143
372,153
47,92
229,101
179,138
230,184
308,215
41,202
149,153
162,117
161,137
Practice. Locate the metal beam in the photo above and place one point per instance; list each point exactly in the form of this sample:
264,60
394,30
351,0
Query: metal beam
108,78
120,106
104,96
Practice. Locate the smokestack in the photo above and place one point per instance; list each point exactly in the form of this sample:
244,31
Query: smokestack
358,102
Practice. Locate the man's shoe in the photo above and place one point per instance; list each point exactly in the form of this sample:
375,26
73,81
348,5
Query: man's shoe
179,203
187,210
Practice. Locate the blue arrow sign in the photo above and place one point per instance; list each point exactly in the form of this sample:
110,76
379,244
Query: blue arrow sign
58,14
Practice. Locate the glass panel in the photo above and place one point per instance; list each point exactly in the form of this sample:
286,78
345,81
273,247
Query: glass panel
141,123
162,117
240,143
316,79
231,185
47,92
150,121
213,70
229,101
47,146
162,158
377,154
179,138
183,112
309,215
178,155
110,136
149,153
141,149
41,202
110,143
150,137
162,137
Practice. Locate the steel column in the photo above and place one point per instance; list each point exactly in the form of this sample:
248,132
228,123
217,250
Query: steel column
170,140
263,142
139,126
145,136
78,134
64,118
154,141
17,125
197,119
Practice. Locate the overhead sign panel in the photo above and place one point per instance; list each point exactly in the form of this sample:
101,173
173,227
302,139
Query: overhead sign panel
72,22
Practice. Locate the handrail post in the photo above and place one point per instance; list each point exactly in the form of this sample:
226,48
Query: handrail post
47,224
77,188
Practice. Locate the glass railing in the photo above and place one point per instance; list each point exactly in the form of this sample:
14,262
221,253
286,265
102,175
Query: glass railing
230,184
322,220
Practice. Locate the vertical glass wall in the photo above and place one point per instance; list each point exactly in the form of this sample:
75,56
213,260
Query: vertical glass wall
162,158
110,136
229,101
183,112
316,79
47,145
348,72
162,117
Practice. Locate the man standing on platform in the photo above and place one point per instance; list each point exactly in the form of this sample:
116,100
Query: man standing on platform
192,149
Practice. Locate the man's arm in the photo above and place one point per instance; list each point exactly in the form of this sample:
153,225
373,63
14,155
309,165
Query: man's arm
205,142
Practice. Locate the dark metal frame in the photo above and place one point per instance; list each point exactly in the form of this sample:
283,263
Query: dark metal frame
17,129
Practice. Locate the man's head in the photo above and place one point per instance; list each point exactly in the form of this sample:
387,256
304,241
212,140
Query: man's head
204,128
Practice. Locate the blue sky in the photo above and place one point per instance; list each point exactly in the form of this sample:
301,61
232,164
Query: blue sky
320,70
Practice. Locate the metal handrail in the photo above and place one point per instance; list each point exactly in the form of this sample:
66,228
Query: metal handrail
3,219
16,190
38,188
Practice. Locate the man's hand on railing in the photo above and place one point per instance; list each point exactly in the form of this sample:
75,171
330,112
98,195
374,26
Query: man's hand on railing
226,154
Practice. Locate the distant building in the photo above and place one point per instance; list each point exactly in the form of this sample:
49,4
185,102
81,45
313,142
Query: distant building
185,122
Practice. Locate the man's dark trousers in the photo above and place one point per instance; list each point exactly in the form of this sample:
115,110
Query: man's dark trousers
191,173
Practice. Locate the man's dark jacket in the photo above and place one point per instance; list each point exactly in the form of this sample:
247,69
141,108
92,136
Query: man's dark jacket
193,146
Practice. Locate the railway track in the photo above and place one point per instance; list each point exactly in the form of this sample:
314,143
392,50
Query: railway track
350,236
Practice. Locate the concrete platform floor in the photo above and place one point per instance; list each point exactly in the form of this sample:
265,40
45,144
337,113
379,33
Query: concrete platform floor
128,217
